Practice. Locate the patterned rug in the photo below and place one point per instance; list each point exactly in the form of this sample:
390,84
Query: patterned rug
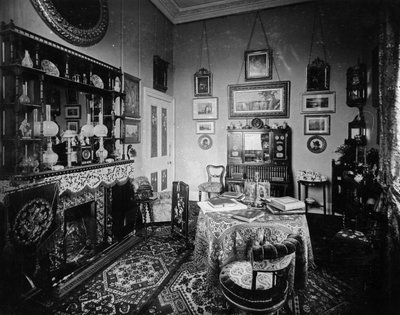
186,293
126,285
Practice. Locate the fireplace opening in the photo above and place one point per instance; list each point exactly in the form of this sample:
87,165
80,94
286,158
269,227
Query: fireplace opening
80,240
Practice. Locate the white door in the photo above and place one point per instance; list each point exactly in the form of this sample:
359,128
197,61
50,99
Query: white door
159,139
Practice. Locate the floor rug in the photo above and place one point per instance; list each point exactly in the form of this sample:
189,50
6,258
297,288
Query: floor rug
125,286
186,294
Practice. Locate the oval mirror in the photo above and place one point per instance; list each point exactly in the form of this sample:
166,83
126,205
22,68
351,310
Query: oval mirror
82,23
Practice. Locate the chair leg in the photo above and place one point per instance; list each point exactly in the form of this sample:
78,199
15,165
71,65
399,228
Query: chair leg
199,195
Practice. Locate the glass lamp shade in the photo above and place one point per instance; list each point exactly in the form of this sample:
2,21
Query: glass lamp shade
100,130
50,128
87,130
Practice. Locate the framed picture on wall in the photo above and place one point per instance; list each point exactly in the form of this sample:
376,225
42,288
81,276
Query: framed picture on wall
205,127
317,124
160,70
202,83
205,108
258,64
132,97
131,130
259,100
73,111
73,125
321,102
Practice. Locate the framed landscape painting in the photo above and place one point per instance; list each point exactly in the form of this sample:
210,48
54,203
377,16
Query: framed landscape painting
205,108
317,124
318,102
259,100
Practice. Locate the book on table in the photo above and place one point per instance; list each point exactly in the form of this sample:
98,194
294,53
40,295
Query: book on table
249,215
275,210
221,202
287,203
233,194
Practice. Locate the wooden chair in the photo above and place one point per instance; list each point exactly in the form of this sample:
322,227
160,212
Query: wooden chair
215,182
261,284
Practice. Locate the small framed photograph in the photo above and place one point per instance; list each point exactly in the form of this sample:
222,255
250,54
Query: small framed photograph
258,64
131,130
202,83
205,108
132,98
319,102
205,142
317,124
205,127
259,100
316,144
73,125
73,111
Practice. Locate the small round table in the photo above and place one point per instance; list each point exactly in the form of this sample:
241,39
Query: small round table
312,183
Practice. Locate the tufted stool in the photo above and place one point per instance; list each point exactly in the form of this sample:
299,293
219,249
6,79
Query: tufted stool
261,284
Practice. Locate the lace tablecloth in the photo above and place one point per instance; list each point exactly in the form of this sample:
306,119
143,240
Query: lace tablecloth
221,239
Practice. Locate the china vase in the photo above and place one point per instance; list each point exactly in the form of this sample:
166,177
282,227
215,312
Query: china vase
27,61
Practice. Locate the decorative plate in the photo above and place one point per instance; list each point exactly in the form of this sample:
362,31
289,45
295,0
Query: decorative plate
205,142
316,144
97,81
257,123
50,68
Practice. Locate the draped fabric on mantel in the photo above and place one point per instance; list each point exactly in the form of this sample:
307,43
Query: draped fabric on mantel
389,106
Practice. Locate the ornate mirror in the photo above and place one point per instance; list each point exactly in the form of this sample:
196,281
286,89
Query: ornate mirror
82,23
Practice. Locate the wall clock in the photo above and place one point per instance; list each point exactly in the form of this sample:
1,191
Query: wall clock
316,144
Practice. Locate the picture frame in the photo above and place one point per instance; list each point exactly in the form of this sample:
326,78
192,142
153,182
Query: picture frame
205,142
318,75
316,144
205,108
319,102
317,124
131,107
205,127
131,130
203,83
258,64
160,71
259,100
73,125
73,111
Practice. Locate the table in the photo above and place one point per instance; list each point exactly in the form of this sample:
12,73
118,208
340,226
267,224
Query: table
221,239
311,183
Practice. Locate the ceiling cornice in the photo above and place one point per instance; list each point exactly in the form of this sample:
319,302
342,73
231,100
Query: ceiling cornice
214,9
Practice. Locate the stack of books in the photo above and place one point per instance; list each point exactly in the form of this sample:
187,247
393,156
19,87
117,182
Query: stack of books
286,205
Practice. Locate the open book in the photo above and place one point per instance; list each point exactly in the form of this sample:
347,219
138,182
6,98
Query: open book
248,215
287,203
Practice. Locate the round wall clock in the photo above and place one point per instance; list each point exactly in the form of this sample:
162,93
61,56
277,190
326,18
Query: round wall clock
316,144
205,142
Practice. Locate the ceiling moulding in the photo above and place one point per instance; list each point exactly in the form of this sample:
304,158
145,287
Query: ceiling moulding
214,9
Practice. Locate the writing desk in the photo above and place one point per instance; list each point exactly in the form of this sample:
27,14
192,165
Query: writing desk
221,239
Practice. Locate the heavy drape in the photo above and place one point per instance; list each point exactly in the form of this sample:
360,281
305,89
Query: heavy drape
389,107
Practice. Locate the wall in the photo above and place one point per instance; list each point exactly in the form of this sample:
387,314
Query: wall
348,36
136,32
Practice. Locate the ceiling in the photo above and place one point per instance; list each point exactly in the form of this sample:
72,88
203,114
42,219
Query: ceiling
182,11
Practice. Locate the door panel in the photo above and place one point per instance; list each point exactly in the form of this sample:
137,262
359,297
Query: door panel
159,139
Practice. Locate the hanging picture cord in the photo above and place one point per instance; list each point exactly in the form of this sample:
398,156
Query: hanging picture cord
317,12
204,39
258,17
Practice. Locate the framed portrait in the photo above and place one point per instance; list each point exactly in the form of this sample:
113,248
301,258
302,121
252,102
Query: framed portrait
205,127
317,124
319,102
132,96
258,64
203,83
131,130
259,100
160,71
318,73
205,142
205,108
73,125
73,111
316,144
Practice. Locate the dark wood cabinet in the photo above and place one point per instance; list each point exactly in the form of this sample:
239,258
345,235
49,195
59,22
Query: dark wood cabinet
266,152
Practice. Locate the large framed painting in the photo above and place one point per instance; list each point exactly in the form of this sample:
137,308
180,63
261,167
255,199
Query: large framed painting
258,64
132,96
259,100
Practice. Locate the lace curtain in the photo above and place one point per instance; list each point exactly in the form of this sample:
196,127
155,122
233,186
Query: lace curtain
389,107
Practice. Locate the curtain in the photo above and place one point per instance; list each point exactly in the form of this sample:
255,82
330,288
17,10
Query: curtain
389,174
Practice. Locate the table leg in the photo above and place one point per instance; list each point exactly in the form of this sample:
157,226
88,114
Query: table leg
324,197
306,196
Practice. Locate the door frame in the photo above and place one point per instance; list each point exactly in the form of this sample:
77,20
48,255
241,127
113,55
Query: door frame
152,93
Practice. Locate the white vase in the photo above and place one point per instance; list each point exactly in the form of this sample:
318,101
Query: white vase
27,61
50,158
